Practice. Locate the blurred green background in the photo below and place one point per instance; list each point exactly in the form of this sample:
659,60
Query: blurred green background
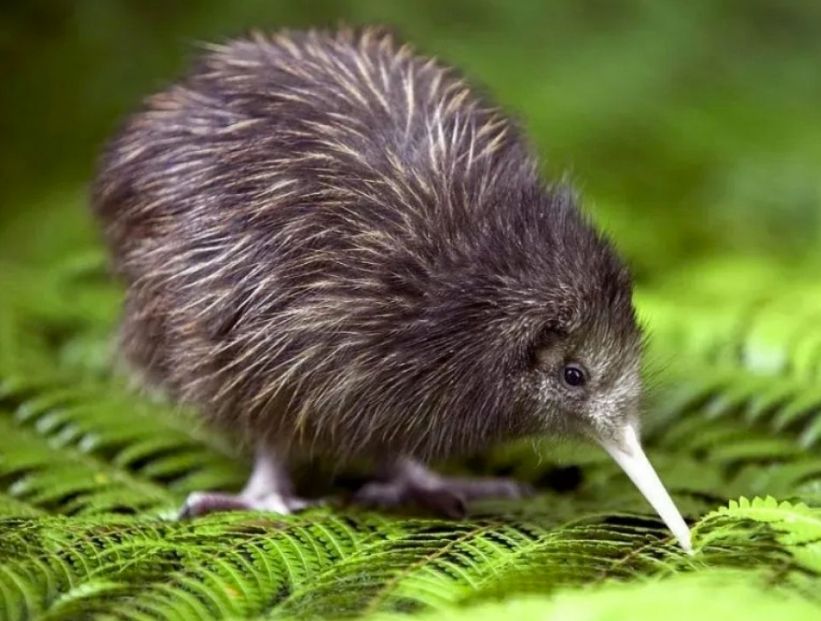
692,128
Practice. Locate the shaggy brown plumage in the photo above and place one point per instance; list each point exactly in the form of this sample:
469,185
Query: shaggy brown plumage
332,244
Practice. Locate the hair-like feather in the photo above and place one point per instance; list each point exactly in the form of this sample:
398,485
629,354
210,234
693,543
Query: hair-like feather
334,243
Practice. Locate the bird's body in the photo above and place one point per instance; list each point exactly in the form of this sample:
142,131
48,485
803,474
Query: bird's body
332,244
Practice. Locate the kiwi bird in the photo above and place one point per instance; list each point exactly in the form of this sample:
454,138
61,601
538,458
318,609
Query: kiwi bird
333,246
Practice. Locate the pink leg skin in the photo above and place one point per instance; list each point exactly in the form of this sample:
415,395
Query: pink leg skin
408,482
268,489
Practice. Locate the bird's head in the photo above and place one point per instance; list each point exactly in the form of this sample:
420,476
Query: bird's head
583,377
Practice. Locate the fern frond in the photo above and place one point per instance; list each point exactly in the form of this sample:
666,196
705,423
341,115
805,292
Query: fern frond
324,563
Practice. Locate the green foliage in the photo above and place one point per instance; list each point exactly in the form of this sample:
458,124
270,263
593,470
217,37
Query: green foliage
327,564
706,595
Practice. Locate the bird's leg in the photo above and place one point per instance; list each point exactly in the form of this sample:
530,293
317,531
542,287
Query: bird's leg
407,481
268,489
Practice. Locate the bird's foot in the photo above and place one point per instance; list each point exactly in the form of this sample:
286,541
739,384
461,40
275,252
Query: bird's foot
268,489
413,484
201,503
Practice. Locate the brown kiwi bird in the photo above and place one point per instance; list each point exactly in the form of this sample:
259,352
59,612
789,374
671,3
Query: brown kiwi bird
334,246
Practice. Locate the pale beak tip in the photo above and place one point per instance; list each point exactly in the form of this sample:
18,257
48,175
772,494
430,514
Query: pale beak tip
628,453
684,540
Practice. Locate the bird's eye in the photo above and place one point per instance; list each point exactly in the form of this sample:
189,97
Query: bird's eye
573,375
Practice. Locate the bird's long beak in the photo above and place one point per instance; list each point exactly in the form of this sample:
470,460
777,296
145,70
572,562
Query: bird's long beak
627,452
